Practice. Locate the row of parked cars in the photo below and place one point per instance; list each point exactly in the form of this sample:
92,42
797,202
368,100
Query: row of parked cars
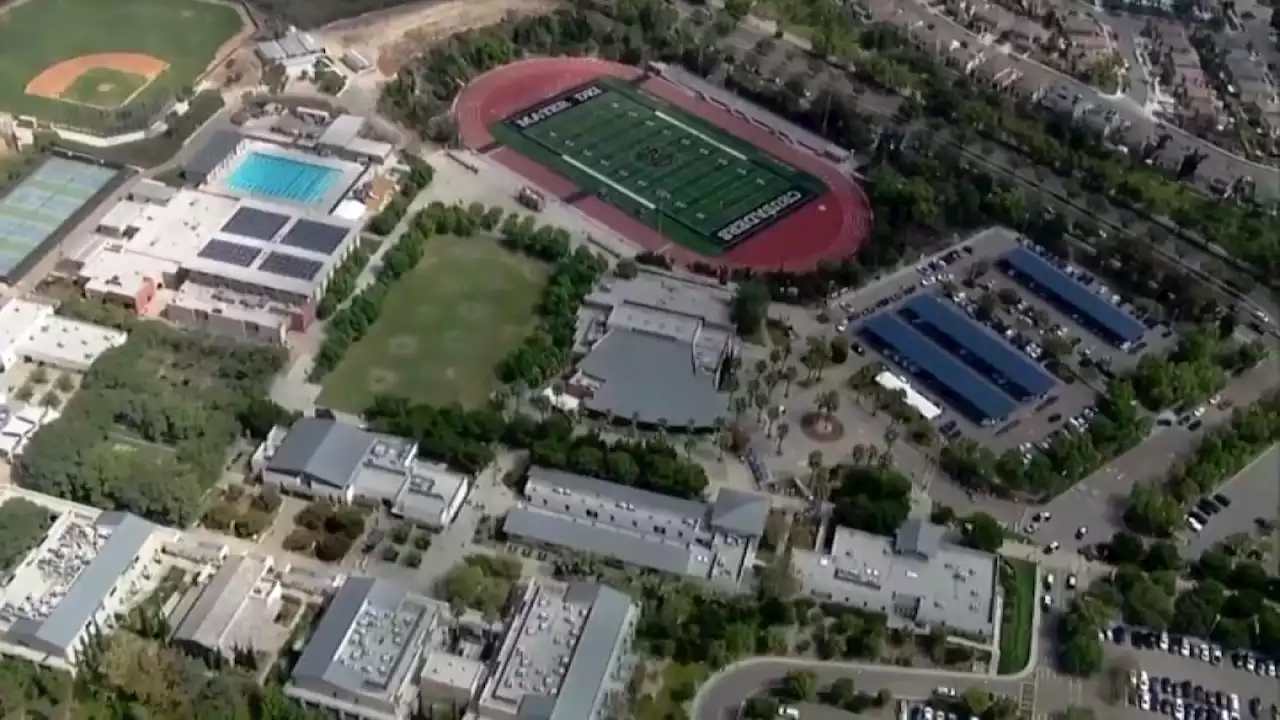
1205,509
1191,647
1186,700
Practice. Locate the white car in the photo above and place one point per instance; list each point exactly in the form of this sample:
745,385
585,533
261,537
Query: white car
1048,580
1204,653
1250,663
1133,678
1235,703
1053,547
842,326
1046,601
1144,702
1164,641
1071,582
1194,524
1144,680
789,711
1185,650
928,713
1271,669
1081,532
1198,412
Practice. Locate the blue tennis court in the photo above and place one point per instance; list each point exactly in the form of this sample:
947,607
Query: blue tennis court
977,347
964,389
280,178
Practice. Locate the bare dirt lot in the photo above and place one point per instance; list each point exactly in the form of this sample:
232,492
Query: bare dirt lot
392,36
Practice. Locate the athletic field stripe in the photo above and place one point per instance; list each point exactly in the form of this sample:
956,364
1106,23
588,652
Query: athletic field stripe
607,181
700,136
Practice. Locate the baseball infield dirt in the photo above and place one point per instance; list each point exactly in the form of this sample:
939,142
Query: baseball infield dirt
54,80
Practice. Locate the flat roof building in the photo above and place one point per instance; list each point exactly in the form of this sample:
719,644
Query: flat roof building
341,462
366,655
653,349
917,579
239,601
713,542
83,575
343,138
32,332
566,655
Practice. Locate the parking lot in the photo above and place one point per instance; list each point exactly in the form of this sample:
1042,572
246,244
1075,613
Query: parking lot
1253,493
1200,679
967,280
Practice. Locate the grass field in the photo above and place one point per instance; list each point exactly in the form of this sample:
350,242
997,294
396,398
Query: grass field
692,181
444,328
104,87
39,33
1017,625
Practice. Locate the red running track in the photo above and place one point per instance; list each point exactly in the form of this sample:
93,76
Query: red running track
830,227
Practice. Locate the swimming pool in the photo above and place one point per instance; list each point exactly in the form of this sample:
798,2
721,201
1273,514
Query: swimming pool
281,178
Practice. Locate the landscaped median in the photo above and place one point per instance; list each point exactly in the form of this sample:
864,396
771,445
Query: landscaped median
1017,626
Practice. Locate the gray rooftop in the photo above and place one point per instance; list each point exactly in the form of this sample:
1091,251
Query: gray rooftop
368,641
651,378
211,617
60,628
917,579
714,543
215,150
342,131
339,455
559,657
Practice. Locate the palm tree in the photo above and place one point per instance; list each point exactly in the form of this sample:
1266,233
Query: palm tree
774,413
761,402
828,403
762,367
740,405
784,429
775,357
789,375
890,437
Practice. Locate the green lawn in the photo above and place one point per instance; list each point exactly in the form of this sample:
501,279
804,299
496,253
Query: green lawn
1017,625
444,327
39,33
104,87
689,179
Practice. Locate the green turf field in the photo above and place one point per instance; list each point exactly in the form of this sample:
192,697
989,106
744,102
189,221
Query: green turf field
443,329
104,87
694,182
39,33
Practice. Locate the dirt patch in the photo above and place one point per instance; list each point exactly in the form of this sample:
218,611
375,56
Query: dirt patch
381,379
54,80
394,36
403,345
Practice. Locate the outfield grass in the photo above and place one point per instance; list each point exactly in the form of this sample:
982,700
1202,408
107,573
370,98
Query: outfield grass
1017,625
104,87
444,328
39,33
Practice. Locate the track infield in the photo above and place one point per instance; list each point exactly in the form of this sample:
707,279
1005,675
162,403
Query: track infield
688,179
181,37
673,173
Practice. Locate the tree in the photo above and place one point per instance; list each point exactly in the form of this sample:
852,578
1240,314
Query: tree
799,686
783,430
982,532
1125,548
750,307
1162,555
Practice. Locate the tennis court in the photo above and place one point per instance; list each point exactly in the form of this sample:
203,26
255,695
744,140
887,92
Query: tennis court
695,183
41,203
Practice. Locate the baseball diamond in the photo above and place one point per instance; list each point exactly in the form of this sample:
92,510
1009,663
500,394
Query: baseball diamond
106,67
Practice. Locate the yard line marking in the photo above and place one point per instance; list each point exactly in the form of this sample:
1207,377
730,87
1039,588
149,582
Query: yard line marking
608,182
699,135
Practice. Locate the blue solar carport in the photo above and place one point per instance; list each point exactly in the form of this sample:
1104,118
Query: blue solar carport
963,388
1014,372
1107,320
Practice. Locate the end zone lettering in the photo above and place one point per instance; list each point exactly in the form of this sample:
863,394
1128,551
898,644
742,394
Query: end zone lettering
557,106
760,216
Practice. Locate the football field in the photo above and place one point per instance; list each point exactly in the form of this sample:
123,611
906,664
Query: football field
692,181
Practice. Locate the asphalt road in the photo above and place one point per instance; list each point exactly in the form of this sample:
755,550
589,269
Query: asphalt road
1254,492
1097,502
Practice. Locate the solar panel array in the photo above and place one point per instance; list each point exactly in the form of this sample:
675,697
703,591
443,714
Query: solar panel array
253,223
315,236
978,348
967,391
230,253
291,266
1109,321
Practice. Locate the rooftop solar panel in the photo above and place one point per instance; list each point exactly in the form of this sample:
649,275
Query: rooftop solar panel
230,253
291,266
965,389
253,223
315,236
1105,319
984,352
